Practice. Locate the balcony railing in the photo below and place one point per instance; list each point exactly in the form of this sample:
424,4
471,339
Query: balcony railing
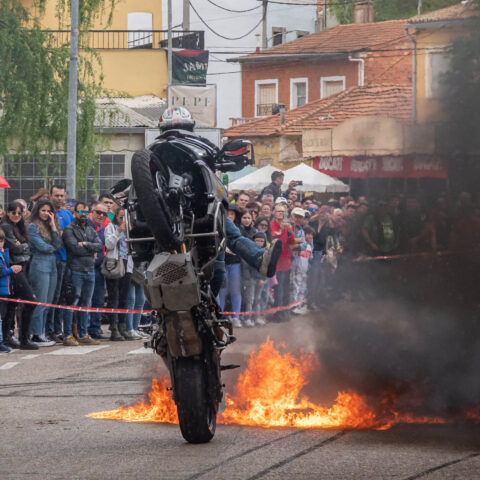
241,120
133,39
264,109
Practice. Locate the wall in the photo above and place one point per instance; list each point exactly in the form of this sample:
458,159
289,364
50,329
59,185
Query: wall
430,110
284,71
393,67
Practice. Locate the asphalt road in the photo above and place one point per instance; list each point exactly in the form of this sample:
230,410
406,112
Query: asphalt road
45,433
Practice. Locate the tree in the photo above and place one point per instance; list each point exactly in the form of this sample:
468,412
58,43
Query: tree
389,9
34,86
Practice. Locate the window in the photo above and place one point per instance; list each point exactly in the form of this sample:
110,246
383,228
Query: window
266,96
437,63
302,33
298,92
331,85
26,176
143,24
278,35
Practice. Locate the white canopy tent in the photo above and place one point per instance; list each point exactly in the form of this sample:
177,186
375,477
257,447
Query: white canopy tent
313,180
256,180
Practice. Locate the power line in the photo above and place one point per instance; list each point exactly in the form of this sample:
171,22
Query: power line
234,11
220,35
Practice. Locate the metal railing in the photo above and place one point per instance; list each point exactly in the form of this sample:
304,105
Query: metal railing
132,39
241,120
264,109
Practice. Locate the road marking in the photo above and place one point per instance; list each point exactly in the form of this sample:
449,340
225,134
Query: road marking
80,350
32,355
140,351
8,365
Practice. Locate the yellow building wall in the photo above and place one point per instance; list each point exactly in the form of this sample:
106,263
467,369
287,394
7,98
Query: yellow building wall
130,71
431,110
267,151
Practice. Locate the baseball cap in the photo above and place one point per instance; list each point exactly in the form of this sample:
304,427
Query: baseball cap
298,211
281,200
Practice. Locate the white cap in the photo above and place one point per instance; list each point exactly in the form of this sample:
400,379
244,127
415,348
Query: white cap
298,211
281,200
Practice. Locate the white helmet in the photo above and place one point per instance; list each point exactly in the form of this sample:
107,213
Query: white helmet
176,117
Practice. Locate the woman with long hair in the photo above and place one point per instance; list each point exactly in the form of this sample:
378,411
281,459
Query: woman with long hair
118,289
17,242
44,232
262,224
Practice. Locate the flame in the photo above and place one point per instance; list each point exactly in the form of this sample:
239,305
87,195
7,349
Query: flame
268,394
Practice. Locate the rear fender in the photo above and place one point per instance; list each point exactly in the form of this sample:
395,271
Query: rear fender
182,336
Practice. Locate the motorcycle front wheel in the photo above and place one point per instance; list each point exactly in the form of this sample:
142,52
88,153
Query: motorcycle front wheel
196,414
152,204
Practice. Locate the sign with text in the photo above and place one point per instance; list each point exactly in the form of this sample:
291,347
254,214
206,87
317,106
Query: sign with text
189,67
388,166
201,102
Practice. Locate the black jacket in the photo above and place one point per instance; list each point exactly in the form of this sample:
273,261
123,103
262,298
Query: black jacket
80,259
19,254
272,189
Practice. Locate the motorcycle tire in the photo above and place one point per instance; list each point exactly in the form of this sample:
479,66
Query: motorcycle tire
150,205
196,414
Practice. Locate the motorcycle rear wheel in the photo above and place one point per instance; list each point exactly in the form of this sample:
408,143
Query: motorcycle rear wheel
153,209
196,414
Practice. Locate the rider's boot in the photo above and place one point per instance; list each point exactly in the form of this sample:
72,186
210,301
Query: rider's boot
270,258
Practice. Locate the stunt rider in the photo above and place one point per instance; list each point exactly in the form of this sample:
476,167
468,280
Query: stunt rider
264,261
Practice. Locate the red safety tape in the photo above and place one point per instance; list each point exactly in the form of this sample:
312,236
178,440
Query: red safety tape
71,307
441,253
269,311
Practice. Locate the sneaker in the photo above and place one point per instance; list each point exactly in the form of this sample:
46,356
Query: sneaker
270,258
88,340
98,336
26,344
11,342
260,321
142,334
42,341
236,323
70,341
249,323
301,310
132,335
4,348
56,338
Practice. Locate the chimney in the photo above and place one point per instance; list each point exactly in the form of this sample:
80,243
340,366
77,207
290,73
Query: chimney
282,112
363,12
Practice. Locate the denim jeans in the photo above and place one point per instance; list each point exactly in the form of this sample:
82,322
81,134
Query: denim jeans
98,300
118,296
53,323
233,287
242,246
282,289
84,283
43,286
136,301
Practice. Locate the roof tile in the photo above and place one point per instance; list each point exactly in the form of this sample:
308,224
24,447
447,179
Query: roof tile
461,11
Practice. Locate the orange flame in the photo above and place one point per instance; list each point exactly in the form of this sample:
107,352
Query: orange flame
268,394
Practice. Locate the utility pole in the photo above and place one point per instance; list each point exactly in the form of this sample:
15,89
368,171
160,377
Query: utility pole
186,15
72,103
419,7
264,24
324,15
169,45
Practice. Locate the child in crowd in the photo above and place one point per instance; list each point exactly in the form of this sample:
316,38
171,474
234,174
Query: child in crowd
262,285
5,287
302,264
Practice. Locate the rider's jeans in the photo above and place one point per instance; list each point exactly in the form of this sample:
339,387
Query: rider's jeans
242,246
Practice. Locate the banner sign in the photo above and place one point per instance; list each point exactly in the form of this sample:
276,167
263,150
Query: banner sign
189,67
201,102
408,166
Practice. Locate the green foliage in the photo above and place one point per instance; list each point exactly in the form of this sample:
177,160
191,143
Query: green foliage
34,86
463,100
390,9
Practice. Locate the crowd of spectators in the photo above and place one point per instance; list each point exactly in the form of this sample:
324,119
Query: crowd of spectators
54,254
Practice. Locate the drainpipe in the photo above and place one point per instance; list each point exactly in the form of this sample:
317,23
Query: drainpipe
414,74
361,69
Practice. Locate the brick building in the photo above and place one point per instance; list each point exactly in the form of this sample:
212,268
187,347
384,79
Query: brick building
324,63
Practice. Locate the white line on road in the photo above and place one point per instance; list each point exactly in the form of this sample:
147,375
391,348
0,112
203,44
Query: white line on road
8,365
140,351
32,355
81,350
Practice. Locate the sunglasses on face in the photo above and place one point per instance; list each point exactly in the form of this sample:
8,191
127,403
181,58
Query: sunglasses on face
82,212
311,209
265,225
16,214
99,212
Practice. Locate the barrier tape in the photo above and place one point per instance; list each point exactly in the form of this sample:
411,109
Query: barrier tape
440,253
77,309
269,311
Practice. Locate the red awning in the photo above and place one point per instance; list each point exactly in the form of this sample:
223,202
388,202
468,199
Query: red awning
3,183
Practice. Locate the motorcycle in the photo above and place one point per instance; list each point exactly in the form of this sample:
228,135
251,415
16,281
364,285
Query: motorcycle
175,213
